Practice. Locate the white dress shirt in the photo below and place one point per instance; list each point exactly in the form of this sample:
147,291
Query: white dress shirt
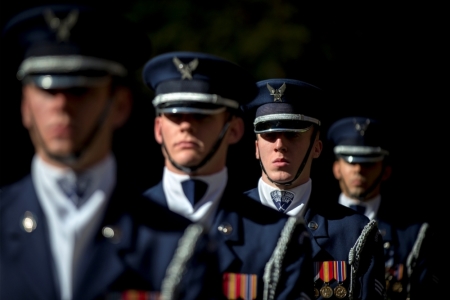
71,228
371,205
300,201
205,209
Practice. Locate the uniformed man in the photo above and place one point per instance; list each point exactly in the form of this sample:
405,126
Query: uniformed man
73,228
263,254
362,165
347,247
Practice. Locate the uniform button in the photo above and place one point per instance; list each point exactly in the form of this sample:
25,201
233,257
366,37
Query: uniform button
225,228
112,234
387,245
313,225
29,222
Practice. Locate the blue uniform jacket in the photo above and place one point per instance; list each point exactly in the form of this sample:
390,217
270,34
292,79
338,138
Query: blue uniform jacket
335,230
146,238
410,257
247,245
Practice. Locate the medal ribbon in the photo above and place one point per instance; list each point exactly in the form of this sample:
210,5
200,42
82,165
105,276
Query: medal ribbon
399,272
316,270
240,286
326,271
138,295
340,270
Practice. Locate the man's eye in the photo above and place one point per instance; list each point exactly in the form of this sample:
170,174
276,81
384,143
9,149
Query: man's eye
292,135
199,117
269,136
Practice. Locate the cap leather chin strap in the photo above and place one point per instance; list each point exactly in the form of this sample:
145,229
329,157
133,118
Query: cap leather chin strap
191,170
72,158
302,165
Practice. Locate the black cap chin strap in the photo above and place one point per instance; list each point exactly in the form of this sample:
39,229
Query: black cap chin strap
302,165
190,170
72,158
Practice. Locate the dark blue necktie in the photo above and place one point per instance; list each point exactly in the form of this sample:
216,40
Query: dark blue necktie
194,189
74,190
359,208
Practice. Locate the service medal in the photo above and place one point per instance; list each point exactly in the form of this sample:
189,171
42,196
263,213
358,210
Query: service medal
326,291
340,273
316,293
340,291
397,287
326,273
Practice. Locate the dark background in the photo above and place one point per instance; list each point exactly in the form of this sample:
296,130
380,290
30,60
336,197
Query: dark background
384,60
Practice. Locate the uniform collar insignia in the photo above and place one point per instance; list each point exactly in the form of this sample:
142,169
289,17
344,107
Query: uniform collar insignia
62,27
185,69
277,93
361,128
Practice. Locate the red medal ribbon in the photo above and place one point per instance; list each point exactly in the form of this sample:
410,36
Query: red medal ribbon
326,271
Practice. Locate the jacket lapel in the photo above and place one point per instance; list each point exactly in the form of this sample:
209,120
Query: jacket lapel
102,264
25,247
318,228
157,194
223,222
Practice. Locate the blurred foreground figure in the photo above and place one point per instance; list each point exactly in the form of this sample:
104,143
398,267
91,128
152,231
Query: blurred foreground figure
263,254
347,248
362,165
74,228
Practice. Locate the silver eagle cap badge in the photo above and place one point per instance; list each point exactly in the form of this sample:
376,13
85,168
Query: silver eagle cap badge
185,69
277,93
361,128
62,27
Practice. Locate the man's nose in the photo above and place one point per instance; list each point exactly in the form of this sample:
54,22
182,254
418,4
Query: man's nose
280,144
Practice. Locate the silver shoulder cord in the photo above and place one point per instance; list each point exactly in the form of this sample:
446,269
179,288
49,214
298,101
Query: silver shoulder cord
355,254
412,257
272,269
177,267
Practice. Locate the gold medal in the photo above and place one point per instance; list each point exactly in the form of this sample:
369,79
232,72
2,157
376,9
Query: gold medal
326,291
340,291
397,287
316,293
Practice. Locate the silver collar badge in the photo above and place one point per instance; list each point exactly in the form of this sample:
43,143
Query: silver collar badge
361,128
61,27
277,93
185,69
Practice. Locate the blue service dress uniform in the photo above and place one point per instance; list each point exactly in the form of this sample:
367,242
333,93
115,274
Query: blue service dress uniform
410,261
339,234
129,263
247,234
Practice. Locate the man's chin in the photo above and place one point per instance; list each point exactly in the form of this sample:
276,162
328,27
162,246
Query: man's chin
283,177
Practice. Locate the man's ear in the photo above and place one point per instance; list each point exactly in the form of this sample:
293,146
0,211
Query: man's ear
157,130
257,149
337,170
317,149
26,114
386,173
236,130
123,105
